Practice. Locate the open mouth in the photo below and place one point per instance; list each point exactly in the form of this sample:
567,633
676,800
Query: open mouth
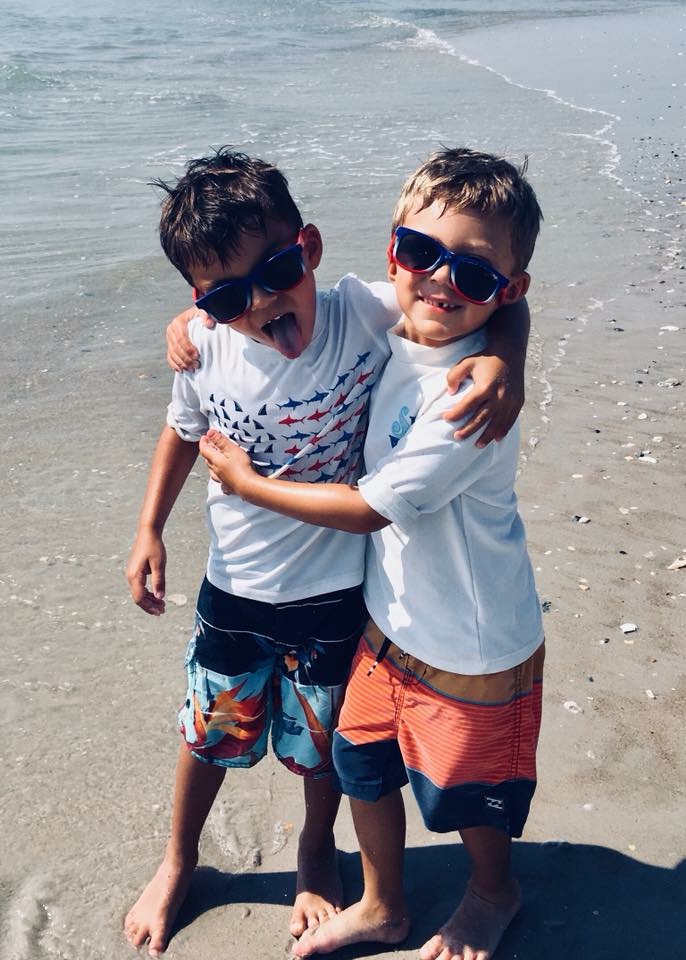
285,334
438,304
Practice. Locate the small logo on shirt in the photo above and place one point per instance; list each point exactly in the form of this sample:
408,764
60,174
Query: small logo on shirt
400,426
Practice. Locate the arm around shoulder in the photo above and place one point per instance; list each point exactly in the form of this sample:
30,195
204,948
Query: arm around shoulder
498,375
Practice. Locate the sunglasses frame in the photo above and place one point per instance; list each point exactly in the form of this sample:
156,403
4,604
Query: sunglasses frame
247,282
452,259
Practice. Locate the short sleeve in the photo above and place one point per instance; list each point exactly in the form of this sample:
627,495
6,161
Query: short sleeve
427,469
184,413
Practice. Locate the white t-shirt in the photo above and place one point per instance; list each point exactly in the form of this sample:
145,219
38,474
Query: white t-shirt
449,581
274,408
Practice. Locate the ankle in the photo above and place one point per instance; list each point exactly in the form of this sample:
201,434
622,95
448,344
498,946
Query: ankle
315,840
496,890
390,910
180,858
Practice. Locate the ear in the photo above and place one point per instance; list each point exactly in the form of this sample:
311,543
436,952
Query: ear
313,245
516,288
392,265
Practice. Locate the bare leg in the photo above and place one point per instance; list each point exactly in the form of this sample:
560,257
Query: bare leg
380,915
319,891
490,903
152,916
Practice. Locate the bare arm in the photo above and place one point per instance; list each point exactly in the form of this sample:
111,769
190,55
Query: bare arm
498,375
336,505
171,464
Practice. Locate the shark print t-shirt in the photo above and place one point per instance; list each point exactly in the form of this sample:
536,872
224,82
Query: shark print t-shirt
303,420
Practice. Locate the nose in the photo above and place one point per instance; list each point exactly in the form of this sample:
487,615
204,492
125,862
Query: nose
261,298
442,274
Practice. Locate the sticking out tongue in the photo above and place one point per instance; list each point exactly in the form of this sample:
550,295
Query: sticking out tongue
286,335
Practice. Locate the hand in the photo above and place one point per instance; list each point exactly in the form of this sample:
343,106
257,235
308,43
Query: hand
495,399
148,559
227,462
181,354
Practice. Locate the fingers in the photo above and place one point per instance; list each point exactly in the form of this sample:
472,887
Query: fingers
182,355
497,428
142,597
157,580
457,374
209,453
220,442
475,423
181,352
148,559
151,604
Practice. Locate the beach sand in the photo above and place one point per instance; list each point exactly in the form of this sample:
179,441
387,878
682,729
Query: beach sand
90,684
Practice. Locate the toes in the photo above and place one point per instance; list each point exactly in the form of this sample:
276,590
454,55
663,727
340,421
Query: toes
430,949
296,927
436,949
158,943
302,948
135,934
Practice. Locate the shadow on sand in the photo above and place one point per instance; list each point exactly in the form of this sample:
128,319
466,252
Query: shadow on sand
580,901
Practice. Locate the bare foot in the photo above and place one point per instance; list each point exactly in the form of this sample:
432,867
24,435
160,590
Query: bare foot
360,923
474,931
152,916
319,890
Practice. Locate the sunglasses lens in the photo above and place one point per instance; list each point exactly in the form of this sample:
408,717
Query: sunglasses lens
474,281
284,270
416,252
226,303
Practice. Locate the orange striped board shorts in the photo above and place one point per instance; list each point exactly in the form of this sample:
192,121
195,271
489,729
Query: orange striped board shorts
466,744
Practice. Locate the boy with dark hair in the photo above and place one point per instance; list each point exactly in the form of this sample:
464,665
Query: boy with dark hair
281,608
456,641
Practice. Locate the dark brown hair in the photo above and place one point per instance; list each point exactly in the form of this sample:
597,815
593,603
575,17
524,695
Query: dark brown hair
220,198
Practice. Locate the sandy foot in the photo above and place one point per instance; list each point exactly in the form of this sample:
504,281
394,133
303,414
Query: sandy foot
152,916
474,931
319,890
360,923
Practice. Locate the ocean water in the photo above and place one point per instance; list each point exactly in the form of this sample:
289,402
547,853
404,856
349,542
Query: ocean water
346,96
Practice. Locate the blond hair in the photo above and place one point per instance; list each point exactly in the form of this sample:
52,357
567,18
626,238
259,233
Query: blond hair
465,179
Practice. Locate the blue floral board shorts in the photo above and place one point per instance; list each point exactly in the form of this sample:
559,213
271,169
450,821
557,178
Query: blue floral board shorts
255,668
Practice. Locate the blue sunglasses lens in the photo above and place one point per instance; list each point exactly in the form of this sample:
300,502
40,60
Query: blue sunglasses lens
417,252
422,254
280,272
474,281
226,303
283,271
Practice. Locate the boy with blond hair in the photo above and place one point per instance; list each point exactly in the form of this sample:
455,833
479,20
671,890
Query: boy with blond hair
287,373
455,640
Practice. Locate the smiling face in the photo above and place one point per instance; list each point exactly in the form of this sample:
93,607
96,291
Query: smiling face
434,312
283,320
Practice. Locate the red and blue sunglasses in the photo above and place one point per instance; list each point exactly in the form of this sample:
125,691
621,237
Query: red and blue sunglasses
276,273
474,279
